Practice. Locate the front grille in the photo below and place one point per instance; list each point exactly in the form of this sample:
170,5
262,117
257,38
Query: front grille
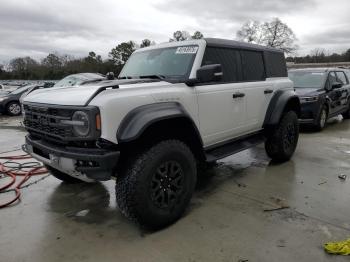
44,122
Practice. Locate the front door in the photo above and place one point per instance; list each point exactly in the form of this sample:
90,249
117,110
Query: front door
222,110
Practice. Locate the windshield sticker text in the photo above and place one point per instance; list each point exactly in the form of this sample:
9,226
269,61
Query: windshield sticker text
186,50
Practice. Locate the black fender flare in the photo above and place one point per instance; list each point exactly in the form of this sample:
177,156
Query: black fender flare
277,105
137,120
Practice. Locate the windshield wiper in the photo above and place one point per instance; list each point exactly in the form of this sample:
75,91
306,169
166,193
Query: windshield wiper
161,77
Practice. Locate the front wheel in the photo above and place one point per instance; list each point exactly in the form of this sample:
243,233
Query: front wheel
13,109
282,140
322,119
155,189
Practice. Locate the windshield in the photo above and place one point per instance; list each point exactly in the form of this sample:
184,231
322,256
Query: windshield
69,81
307,79
174,62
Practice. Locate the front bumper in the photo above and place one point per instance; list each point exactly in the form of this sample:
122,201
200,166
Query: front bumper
87,164
309,113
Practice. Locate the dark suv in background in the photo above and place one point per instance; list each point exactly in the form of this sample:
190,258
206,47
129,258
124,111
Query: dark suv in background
323,93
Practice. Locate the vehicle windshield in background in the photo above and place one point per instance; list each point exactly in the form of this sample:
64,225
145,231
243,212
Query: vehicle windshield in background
174,62
21,89
69,81
307,79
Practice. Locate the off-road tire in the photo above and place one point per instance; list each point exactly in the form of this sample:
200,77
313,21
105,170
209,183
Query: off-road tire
13,109
137,184
282,140
62,176
322,119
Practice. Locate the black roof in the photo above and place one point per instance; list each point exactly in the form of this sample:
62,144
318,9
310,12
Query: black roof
236,44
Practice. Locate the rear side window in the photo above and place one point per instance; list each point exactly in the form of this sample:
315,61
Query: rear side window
332,78
341,78
229,60
253,66
275,64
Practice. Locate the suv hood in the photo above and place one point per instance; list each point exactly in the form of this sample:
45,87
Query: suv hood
81,95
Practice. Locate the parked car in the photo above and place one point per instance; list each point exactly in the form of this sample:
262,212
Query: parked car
324,93
36,87
9,101
174,106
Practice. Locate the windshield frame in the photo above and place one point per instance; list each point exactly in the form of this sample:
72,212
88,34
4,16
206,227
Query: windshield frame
167,78
324,75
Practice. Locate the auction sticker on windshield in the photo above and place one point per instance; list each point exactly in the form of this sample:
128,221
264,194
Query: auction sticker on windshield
186,50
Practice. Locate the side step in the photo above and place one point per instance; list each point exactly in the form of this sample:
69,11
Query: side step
233,147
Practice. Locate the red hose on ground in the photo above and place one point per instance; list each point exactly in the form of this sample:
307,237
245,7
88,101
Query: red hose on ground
32,169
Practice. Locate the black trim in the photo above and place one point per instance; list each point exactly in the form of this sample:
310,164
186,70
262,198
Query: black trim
233,146
137,120
107,160
277,104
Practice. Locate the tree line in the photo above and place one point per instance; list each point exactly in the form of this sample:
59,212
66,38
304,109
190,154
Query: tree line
56,66
320,55
272,33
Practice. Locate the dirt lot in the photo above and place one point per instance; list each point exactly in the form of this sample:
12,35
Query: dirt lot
225,222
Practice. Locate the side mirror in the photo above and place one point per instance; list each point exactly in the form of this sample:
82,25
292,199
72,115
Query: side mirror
336,85
209,73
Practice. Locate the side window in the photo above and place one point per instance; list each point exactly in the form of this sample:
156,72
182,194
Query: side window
332,78
275,64
253,66
229,60
341,78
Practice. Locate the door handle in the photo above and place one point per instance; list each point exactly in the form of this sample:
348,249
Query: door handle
268,91
237,95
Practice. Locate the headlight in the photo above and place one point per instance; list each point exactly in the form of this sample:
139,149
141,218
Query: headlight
308,99
81,123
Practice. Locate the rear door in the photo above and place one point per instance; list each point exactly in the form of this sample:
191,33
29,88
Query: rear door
222,105
258,91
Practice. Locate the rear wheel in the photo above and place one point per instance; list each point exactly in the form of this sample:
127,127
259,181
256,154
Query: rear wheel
322,119
62,176
155,189
282,139
13,109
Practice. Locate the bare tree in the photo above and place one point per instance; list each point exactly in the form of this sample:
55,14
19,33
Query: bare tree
275,34
250,32
197,35
145,43
180,36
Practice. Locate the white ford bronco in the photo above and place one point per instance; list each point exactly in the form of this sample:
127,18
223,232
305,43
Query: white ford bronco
173,107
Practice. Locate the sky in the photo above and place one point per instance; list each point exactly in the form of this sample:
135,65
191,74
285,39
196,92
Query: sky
75,27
